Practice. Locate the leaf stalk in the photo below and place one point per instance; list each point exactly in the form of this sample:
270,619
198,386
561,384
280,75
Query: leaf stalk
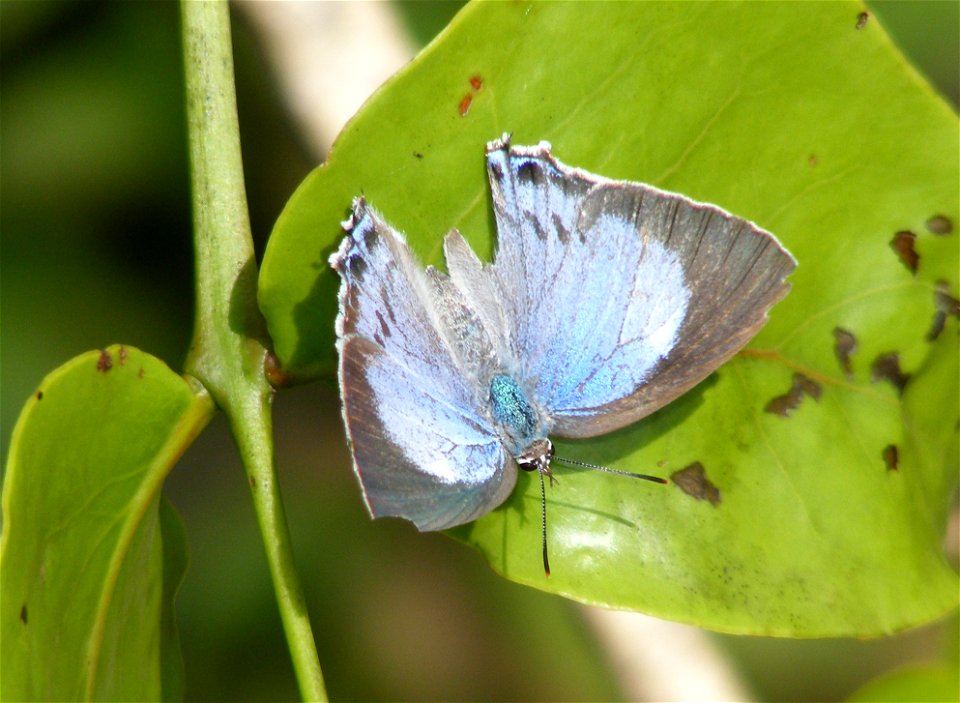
229,345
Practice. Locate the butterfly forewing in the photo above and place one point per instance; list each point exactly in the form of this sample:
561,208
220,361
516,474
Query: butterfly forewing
629,295
422,445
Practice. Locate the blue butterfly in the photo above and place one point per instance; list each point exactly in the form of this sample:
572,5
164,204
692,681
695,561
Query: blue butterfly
605,301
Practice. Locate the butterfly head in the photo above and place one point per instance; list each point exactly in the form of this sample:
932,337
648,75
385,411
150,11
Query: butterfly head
536,456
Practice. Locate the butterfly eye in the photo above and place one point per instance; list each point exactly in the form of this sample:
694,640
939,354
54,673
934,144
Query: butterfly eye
537,456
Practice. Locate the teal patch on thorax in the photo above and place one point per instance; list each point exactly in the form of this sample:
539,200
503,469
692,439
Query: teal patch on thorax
511,408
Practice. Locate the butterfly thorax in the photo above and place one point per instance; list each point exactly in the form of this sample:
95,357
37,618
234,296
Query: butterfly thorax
523,431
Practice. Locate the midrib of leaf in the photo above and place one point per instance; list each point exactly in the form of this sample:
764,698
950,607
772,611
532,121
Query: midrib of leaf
180,437
775,356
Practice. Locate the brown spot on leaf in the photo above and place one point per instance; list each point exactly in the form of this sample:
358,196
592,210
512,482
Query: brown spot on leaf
476,83
945,305
812,160
122,355
23,613
140,373
903,244
785,404
862,19
104,362
844,345
939,224
693,481
417,155
39,395
886,367
891,457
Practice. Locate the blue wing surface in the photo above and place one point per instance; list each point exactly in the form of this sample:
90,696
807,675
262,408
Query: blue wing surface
618,297
423,445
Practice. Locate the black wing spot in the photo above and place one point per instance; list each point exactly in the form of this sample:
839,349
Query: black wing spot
370,238
357,267
530,172
537,226
384,328
563,234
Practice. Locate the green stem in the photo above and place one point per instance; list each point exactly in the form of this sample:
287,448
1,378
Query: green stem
229,348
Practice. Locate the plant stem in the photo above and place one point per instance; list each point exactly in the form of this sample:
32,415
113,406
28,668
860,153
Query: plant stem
228,348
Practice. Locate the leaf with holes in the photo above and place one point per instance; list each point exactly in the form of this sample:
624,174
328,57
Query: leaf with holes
819,477
91,554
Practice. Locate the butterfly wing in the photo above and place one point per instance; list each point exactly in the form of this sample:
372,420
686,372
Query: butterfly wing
619,297
423,448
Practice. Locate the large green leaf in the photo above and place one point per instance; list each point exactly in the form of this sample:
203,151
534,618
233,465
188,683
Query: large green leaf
91,554
795,115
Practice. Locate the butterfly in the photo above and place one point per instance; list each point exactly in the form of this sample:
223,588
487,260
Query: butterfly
605,300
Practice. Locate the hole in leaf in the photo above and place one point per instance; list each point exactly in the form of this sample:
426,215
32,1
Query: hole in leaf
940,224
844,345
945,305
903,244
693,481
891,457
886,367
104,362
862,19
785,404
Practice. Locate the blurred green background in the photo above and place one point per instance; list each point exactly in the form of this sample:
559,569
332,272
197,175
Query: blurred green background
95,249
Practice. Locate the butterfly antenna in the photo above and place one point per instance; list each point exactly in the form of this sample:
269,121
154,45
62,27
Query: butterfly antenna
543,523
596,467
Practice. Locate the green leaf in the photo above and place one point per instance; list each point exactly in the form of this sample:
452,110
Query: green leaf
91,555
784,113
914,684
